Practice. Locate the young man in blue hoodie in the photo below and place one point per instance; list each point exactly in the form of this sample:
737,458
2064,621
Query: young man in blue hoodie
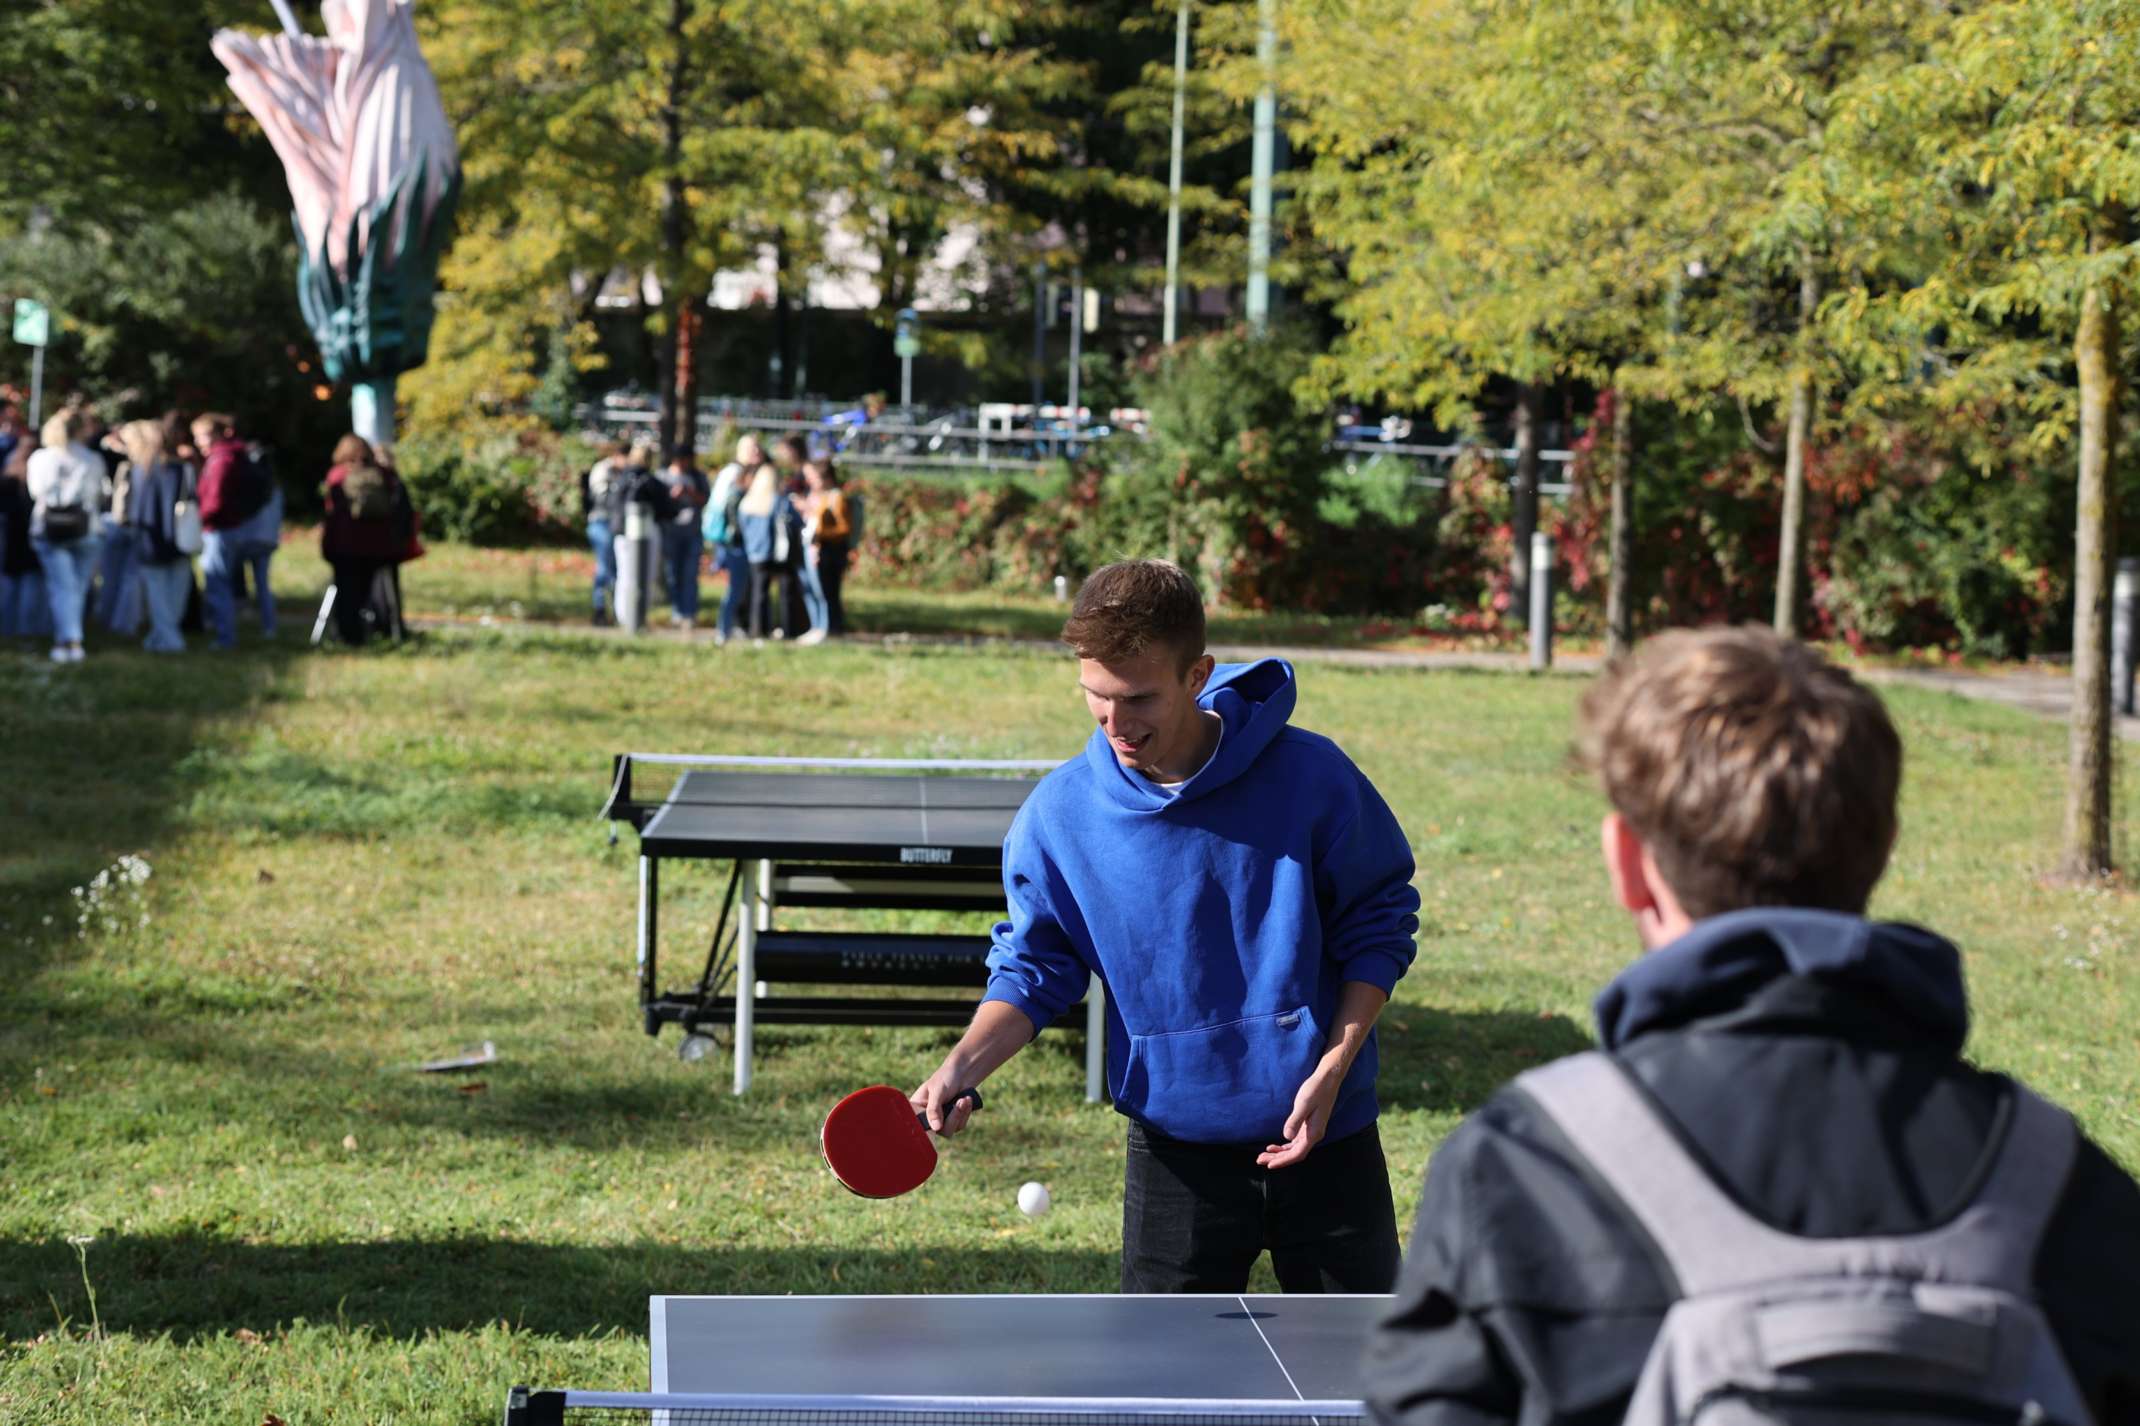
1245,895
1809,1058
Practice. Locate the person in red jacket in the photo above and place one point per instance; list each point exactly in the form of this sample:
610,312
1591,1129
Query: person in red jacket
241,516
369,531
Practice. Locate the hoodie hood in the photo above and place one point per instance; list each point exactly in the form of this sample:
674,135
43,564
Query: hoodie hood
1723,961
1255,701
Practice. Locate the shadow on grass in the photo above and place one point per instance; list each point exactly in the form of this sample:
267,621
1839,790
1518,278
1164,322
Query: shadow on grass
199,1286
94,760
1453,1060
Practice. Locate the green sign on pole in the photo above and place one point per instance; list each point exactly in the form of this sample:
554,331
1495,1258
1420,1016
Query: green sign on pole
33,322
904,346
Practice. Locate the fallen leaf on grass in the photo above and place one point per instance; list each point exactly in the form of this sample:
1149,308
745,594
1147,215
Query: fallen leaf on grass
474,1086
349,1142
271,1419
247,1336
263,876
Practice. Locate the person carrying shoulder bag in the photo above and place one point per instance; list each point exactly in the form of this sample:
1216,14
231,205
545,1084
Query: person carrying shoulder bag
67,487
163,516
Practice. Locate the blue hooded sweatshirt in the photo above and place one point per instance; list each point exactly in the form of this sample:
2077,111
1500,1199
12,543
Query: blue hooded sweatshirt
1223,917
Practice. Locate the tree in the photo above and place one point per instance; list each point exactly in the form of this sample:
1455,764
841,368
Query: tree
2005,159
1502,214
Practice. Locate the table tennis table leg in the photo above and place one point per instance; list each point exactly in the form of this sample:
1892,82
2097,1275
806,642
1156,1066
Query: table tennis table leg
749,922
649,894
1095,1039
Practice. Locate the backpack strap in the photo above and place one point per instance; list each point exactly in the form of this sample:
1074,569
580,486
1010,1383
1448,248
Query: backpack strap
1714,1245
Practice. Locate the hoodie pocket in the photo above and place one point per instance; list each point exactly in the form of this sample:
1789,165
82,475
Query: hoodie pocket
1222,1084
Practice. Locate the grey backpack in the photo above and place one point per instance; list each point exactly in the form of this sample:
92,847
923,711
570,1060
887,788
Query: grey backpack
1923,1328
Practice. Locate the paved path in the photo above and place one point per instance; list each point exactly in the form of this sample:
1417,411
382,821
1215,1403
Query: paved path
2043,690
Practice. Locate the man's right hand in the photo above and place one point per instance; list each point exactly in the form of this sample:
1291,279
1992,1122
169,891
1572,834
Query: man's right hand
998,1031
938,1100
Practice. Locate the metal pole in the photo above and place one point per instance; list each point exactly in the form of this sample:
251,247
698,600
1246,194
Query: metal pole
906,382
1541,601
1040,333
37,385
1168,324
1262,161
371,412
1077,336
2124,635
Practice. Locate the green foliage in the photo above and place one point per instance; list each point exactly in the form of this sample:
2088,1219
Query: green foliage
192,308
502,489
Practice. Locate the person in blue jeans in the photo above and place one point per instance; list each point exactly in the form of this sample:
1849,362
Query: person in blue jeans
158,485
601,535
241,508
68,490
682,546
723,532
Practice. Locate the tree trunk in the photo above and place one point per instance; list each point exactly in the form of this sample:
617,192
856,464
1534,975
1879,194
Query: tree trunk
685,383
1524,498
1797,435
1620,592
679,423
2084,841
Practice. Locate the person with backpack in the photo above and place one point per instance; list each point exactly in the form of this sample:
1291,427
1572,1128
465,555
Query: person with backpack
1777,1192
163,518
594,513
772,541
241,511
365,535
723,532
69,493
682,544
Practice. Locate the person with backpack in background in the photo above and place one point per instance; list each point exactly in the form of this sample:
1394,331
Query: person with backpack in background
163,518
241,508
69,491
1777,1193
364,536
772,536
723,532
594,511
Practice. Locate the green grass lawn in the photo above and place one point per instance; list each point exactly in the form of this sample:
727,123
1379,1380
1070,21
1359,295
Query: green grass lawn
363,860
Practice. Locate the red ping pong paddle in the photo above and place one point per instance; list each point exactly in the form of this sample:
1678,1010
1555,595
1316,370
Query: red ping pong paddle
877,1146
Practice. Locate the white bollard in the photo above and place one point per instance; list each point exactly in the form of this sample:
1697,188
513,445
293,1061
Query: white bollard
1541,601
635,567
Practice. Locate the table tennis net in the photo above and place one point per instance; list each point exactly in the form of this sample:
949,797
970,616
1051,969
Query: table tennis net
578,1408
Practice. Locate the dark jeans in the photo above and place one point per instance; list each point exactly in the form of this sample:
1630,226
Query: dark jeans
831,574
359,612
1195,1217
762,578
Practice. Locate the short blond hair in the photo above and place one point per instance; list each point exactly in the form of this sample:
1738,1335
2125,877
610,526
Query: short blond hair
1756,772
62,428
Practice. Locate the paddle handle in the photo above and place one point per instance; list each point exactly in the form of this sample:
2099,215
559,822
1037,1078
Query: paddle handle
972,1094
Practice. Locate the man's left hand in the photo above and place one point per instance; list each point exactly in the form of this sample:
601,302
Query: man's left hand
1310,1117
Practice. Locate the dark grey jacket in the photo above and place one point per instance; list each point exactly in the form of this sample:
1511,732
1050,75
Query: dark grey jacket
1812,1062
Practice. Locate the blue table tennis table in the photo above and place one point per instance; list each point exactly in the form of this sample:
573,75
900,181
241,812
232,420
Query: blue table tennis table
987,1360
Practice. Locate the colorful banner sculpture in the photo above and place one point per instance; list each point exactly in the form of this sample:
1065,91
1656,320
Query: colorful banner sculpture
374,175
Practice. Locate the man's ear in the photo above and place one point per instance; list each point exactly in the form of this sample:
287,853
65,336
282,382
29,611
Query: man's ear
1625,857
1200,674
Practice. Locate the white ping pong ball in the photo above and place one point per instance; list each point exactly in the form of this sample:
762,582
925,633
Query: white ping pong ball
1033,1199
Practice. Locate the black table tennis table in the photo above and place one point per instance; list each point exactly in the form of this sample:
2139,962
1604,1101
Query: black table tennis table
991,1360
841,832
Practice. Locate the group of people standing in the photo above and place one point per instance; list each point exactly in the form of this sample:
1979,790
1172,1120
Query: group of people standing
121,514
781,531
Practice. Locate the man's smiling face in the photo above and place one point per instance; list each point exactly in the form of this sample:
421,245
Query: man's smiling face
1147,707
